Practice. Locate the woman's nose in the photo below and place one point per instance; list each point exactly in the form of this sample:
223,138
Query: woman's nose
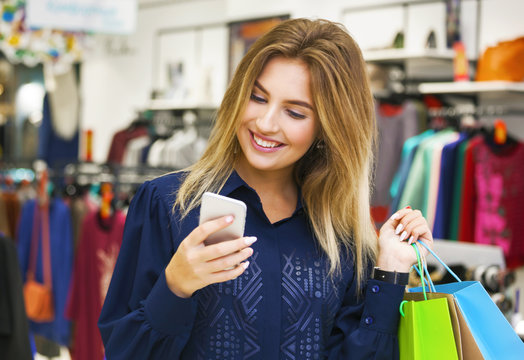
268,121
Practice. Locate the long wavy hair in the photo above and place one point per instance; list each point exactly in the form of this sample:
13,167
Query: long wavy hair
334,174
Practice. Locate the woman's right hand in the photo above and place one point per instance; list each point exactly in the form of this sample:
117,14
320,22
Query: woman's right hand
195,265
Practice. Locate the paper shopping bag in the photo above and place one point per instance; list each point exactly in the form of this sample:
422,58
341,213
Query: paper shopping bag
425,331
477,313
425,327
493,334
465,344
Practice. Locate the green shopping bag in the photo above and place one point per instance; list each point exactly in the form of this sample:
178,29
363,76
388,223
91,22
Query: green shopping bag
425,329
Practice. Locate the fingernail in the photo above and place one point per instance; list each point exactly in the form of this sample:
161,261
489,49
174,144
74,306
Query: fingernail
408,207
229,219
245,264
410,240
399,229
250,240
395,216
403,236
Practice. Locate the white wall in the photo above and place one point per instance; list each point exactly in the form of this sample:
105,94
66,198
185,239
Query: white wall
116,85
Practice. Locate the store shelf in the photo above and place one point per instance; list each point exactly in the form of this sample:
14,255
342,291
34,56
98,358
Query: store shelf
167,104
401,55
471,87
425,64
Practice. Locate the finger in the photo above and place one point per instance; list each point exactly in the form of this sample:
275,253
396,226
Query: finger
201,232
408,223
226,275
398,215
401,218
228,261
224,248
421,232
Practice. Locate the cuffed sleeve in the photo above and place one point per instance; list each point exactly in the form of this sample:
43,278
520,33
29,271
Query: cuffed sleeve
366,325
381,307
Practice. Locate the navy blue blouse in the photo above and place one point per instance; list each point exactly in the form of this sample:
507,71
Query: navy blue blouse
284,306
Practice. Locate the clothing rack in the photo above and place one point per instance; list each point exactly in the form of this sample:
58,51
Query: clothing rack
86,173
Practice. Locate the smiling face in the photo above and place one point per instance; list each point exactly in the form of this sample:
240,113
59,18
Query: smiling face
278,125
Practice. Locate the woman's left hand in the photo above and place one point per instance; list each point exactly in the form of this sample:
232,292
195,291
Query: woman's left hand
402,229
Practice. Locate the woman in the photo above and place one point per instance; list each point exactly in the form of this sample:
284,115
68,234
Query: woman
293,140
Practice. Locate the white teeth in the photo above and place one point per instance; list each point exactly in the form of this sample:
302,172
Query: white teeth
264,143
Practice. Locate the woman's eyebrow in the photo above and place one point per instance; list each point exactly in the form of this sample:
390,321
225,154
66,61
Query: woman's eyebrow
294,102
258,85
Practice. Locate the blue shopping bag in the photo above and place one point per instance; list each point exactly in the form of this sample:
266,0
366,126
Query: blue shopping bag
494,336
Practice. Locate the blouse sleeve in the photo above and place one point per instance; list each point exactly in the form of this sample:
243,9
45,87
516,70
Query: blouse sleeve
366,326
141,318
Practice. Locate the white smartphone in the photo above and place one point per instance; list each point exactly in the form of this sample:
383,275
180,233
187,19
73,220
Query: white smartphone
214,206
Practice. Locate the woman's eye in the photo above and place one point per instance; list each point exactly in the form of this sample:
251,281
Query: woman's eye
296,115
258,99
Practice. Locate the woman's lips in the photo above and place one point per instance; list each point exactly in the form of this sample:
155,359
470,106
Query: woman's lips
263,145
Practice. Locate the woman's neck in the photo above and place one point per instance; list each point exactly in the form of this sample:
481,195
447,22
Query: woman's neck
277,190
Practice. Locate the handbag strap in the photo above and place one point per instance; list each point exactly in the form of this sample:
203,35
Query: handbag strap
40,222
33,251
46,247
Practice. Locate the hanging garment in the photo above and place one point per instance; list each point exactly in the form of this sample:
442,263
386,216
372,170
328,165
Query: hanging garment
94,262
14,328
468,201
408,153
80,207
120,140
446,187
394,128
60,236
499,187
436,158
190,153
458,190
417,188
154,157
133,152
13,208
52,148
4,224
65,103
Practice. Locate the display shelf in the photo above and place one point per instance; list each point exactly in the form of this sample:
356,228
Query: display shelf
167,104
471,87
401,55
426,64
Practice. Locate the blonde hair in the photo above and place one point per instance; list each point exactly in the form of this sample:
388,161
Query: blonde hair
334,175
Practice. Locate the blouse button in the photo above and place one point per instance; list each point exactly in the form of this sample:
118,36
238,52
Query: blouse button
375,288
368,320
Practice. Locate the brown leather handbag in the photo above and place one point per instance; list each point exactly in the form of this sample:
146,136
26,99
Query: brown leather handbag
502,62
38,297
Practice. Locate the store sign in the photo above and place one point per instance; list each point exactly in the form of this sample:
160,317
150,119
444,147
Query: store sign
99,16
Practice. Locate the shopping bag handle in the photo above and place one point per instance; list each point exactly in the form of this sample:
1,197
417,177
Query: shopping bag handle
420,270
439,260
427,278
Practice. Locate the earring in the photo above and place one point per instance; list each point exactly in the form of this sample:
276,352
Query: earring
320,145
